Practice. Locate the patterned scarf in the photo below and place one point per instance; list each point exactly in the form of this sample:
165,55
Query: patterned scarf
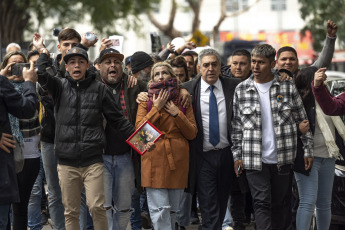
19,86
169,85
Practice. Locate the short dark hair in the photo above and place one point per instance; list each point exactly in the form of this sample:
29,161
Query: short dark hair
190,53
32,53
264,50
286,48
68,34
242,52
179,62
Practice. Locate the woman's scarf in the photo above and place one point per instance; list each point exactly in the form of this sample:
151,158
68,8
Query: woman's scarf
169,85
19,86
332,147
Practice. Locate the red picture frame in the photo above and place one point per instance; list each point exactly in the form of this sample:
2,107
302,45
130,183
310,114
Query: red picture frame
147,132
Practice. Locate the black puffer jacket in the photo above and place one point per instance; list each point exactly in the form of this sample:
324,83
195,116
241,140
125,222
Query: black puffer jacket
20,106
79,107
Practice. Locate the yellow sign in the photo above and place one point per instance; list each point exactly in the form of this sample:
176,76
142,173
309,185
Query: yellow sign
199,38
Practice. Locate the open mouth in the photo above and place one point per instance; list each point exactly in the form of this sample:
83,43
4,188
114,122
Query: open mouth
77,72
112,73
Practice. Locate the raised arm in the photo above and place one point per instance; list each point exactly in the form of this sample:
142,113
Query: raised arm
21,106
332,106
326,55
51,83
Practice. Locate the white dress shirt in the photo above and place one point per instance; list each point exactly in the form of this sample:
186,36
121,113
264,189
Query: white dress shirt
204,108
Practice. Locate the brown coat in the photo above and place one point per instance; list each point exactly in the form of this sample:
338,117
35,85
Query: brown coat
167,165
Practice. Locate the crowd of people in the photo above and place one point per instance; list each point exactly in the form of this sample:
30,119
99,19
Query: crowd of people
235,137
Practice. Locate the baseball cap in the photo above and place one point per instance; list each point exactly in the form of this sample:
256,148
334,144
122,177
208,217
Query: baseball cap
76,51
110,53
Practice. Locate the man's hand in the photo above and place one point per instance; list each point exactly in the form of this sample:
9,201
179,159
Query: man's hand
171,108
105,44
331,29
30,74
6,142
7,70
238,167
304,126
284,77
142,97
319,77
170,47
132,81
86,42
37,41
185,98
308,162
189,45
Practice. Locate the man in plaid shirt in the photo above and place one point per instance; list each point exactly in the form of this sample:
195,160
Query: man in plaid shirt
267,113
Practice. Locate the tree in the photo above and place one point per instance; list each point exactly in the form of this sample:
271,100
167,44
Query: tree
194,5
168,29
16,14
317,12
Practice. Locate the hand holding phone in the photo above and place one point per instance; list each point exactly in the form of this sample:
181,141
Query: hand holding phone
17,69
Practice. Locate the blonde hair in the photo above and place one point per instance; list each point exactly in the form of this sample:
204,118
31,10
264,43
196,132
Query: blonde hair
160,64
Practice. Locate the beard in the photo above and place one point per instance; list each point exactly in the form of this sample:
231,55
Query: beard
143,76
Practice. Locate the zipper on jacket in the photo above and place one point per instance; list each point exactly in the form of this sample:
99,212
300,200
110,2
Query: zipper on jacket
78,122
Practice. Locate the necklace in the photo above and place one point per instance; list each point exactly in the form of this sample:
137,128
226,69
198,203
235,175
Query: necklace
257,86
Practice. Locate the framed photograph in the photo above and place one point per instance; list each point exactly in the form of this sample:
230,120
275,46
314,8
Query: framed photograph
147,132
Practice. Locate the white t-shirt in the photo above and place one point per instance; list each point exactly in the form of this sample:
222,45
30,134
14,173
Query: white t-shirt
269,147
30,147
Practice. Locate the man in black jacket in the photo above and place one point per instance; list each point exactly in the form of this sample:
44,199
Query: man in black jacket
119,173
21,106
80,102
213,158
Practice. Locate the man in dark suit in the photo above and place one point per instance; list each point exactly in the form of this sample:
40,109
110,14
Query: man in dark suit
211,157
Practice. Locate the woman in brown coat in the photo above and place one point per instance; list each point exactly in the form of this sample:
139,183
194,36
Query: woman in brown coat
164,170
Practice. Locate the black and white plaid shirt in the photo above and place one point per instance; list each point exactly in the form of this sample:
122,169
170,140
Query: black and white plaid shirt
287,110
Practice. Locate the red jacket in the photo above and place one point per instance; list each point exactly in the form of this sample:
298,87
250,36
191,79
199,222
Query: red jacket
332,106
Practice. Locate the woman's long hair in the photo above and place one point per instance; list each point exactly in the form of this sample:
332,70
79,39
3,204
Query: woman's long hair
9,55
303,84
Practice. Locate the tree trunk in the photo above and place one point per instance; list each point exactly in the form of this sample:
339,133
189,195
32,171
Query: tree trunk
14,19
167,29
195,5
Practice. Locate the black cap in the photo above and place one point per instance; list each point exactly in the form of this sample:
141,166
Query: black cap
76,51
110,53
140,60
128,60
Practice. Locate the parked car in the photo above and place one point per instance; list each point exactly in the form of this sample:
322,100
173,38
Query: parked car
336,86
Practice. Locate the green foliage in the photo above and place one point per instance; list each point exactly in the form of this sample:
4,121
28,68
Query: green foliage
104,13
317,12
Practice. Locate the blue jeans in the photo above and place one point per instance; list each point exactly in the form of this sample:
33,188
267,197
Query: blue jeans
164,206
228,218
56,208
316,190
118,187
4,209
34,206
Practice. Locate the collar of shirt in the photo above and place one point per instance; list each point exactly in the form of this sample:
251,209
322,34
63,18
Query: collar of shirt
251,85
205,86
